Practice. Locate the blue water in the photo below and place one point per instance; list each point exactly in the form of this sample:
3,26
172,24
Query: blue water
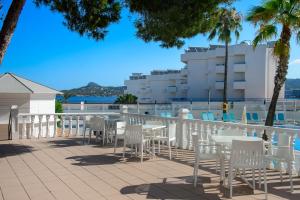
90,99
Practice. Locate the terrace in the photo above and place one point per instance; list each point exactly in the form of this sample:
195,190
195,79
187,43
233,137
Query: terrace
59,166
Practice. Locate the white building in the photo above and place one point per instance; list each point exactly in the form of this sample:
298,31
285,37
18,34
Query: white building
250,72
28,96
161,86
250,76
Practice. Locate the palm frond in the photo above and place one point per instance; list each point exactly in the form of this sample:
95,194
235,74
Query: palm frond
265,33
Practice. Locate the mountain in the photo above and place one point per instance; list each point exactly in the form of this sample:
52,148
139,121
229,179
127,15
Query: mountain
291,84
93,89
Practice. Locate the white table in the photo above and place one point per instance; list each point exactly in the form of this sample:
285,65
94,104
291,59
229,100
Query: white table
224,140
152,130
227,140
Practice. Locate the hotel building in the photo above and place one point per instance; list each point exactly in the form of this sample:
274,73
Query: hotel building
250,76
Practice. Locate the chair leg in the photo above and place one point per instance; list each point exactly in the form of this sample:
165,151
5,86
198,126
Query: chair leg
158,146
259,178
124,148
170,150
265,184
196,166
230,181
253,178
116,142
90,135
142,152
291,176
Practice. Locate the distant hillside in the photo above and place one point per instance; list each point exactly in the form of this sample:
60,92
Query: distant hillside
292,84
93,89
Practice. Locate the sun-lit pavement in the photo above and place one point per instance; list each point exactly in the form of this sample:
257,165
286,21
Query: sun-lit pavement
64,169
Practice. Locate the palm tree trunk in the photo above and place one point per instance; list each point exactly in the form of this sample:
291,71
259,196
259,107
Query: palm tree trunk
281,73
225,77
9,25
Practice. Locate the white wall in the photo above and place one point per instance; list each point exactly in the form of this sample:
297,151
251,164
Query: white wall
7,100
42,103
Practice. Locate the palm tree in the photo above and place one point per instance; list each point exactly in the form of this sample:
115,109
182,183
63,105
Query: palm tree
271,15
126,99
226,21
9,25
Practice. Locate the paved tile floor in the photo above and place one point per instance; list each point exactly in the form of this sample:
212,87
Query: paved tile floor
64,169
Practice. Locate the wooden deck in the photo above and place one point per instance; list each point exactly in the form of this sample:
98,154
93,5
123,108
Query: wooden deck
64,169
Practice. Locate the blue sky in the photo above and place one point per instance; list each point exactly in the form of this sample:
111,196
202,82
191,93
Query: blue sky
45,51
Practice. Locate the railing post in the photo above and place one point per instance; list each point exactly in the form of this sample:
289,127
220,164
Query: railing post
32,118
55,125
62,125
70,125
40,125
77,125
124,111
24,118
182,128
47,126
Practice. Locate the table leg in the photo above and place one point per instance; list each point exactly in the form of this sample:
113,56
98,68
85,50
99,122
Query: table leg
153,147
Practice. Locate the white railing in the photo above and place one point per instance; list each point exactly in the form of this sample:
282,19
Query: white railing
50,125
187,127
45,125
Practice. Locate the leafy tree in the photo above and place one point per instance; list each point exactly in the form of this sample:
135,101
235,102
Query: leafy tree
271,16
58,107
87,17
172,21
126,99
226,22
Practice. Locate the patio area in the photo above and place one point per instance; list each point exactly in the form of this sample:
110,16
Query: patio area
65,169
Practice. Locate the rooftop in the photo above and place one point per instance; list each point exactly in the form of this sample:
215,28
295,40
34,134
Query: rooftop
11,83
65,169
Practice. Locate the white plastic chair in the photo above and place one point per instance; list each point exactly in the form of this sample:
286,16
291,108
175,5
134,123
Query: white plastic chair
205,149
119,133
169,137
247,155
135,138
284,153
97,124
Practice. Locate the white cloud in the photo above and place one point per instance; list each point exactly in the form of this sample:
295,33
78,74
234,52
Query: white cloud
295,62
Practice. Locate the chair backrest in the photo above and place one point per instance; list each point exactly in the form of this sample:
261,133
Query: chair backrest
133,134
204,116
190,116
255,117
211,116
247,154
275,117
248,116
280,117
97,123
172,130
226,117
163,114
284,148
231,116
168,114
205,149
120,127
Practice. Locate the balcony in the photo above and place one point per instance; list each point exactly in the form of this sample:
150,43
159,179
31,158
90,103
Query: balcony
220,68
171,89
239,85
219,85
239,67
